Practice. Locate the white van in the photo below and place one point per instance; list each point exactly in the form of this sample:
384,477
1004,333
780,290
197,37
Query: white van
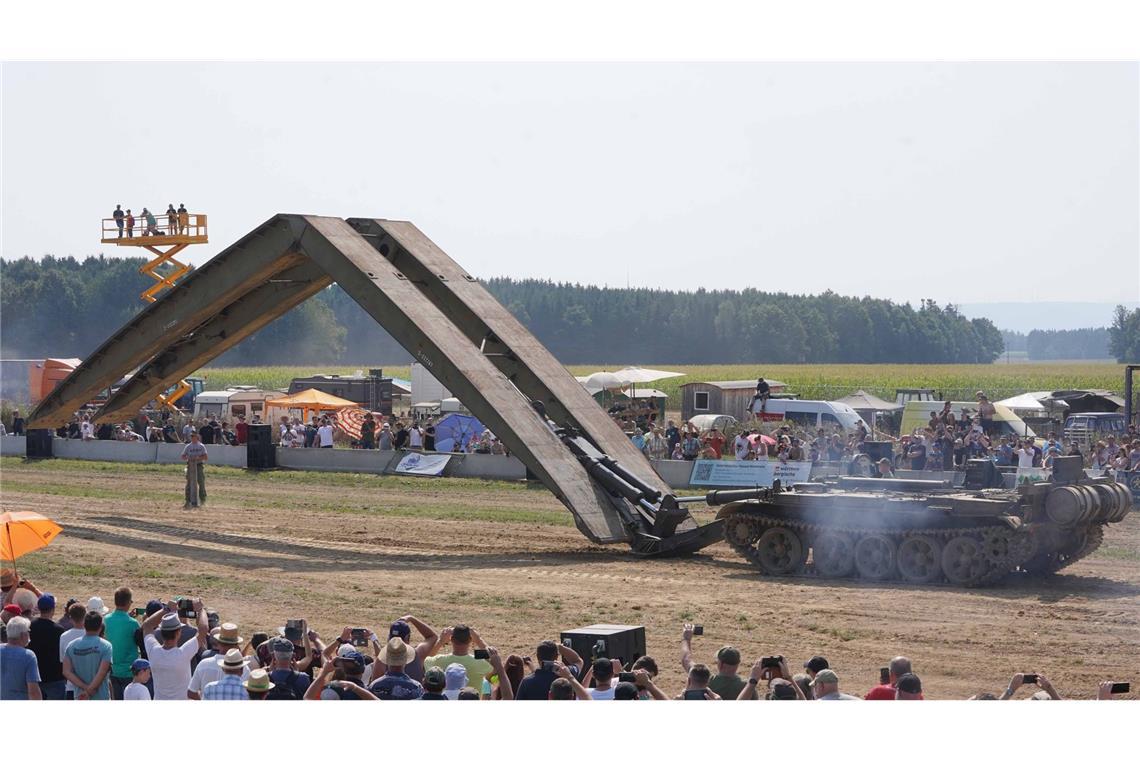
228,405
810,415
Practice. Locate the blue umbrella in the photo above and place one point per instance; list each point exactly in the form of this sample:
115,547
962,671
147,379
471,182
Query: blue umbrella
456,429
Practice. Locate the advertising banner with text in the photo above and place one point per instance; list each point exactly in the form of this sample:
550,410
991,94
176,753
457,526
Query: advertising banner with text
732,473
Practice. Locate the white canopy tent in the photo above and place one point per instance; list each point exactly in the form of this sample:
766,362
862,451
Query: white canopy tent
1038,402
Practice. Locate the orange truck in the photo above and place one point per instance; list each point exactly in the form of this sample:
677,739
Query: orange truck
45,374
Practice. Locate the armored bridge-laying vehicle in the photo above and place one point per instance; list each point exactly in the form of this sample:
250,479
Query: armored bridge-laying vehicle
923,531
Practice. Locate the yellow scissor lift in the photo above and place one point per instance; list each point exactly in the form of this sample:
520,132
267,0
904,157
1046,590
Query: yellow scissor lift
165,239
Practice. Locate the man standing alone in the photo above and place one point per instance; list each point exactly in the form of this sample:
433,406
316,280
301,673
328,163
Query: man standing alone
195,456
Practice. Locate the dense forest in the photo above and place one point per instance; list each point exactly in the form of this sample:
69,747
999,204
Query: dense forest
66,307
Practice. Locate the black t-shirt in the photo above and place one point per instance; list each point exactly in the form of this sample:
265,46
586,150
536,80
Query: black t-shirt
45,643
429,438
537,684
207,433
401,438
168,434
118,214
919,462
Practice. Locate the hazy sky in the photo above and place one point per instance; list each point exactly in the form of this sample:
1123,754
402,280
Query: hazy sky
958,182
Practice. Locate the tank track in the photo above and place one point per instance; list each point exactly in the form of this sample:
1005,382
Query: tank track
1004,550
1049,563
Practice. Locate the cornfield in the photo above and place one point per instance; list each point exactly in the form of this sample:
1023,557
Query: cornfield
813,381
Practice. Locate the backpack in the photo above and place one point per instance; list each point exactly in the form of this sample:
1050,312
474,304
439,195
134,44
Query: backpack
286,689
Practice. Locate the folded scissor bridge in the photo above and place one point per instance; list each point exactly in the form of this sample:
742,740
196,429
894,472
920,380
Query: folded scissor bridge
439,314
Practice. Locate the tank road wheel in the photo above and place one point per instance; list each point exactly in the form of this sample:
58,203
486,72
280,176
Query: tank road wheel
780,551
833,554
741,530
964,560
920,559
875,557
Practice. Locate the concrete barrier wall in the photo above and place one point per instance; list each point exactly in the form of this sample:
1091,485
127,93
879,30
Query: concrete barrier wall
13,446
675,473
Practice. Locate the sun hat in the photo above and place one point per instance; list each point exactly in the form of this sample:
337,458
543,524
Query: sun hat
455,676
233,659
170,622
258,681
396,653
95,604
7,577
228,634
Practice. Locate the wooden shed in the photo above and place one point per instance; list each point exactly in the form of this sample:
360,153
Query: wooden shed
722,397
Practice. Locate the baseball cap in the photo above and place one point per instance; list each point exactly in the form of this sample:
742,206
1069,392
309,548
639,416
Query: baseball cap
140,665
825,676
45,602
153,606
399,630
12,609
816,664
278,644
345,649
435,678
352,656
728,655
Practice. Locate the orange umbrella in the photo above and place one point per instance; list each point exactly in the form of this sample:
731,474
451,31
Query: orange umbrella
25,532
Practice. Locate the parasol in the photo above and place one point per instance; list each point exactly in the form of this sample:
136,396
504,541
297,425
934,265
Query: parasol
25,532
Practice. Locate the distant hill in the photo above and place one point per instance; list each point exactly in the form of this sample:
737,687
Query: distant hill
1044,315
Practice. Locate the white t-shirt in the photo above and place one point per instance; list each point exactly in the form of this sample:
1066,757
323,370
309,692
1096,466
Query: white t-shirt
415,440
68,636
210,670
170,668
325,434
741,445
136,691
1025,458
88,431
602,695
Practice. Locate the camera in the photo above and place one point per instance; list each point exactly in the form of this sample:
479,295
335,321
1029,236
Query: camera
698,630
1029,678
186,608
884,675
359,637
294,629
770,662
482,654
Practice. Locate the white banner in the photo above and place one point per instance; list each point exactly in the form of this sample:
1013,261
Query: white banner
1031,475
748,473
415,463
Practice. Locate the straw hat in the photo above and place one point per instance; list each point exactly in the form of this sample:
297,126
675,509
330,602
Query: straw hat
396,653
258,681
228,634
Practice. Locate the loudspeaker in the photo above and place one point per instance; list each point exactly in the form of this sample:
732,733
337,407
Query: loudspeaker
260,453
38,444
623,642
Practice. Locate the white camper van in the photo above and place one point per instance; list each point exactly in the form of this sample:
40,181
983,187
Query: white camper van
810,415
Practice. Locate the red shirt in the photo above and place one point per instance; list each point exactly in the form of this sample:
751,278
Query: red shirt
881,692
242,431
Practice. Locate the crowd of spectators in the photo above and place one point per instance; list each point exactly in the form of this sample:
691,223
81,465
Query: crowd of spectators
181,650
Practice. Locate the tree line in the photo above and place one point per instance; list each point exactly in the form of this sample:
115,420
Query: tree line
62,306
1043,345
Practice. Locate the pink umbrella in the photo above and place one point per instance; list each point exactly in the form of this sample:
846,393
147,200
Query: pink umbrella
768,440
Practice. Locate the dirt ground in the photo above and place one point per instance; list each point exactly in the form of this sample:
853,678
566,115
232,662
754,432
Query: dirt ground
359,550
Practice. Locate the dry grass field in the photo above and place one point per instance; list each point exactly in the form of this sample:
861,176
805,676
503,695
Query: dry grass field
344,549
